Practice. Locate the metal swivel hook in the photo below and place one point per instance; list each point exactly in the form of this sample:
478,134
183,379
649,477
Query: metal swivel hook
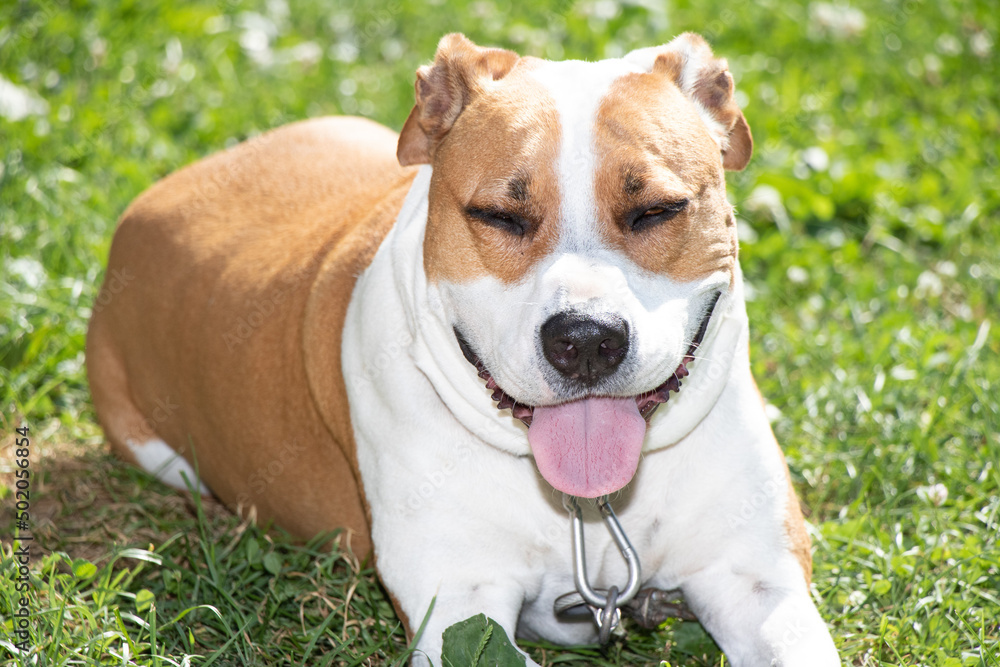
590,596
606,608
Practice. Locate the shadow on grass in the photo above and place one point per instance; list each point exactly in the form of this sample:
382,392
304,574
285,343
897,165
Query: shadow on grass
86,502
123,565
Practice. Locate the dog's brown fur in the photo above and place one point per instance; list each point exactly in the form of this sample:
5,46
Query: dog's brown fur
237,272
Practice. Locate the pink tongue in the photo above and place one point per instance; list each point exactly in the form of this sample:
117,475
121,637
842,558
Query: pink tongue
587,448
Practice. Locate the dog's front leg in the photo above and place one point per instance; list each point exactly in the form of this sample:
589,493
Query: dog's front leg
761,616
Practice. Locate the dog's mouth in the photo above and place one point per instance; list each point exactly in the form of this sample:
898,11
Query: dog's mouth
590,446
646,402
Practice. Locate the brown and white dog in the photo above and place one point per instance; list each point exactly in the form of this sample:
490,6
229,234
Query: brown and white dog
310,325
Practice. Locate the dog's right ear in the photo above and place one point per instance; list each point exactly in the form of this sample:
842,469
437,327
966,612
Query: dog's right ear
443,89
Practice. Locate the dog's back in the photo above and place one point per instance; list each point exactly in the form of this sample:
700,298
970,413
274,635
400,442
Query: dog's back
243,245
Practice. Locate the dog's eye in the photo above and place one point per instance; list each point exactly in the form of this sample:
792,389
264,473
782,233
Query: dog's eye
654,215
505,221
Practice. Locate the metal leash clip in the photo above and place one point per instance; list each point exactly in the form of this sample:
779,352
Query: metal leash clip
604,605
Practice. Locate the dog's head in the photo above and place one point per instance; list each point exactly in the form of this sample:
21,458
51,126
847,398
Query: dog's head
578,233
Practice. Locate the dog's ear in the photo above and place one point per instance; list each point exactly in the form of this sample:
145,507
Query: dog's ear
706,81
443,89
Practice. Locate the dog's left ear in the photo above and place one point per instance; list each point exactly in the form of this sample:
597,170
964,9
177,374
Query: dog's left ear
706,81
443,90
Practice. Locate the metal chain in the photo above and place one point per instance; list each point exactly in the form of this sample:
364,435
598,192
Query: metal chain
649,608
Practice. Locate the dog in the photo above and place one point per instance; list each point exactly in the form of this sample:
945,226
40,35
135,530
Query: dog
434,341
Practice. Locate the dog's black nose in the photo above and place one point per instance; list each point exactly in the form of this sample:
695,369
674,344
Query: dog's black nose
585,348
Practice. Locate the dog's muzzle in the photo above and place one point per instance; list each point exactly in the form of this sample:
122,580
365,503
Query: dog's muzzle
588,447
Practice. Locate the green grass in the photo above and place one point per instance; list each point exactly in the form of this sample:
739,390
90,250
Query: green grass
869,221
